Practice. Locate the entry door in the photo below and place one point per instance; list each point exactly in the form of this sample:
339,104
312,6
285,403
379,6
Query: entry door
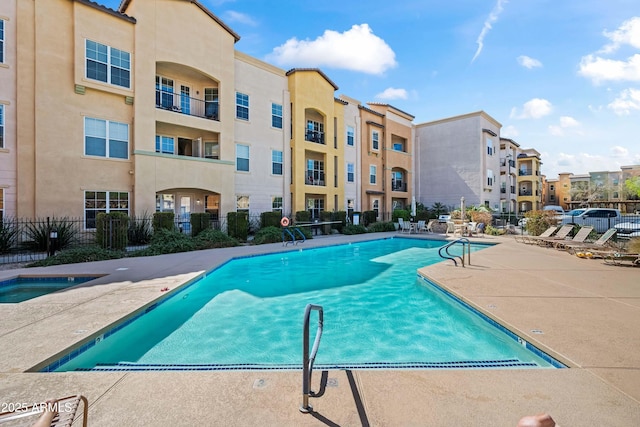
185,214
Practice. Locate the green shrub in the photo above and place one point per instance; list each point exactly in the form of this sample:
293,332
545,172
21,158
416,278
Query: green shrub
342,217
210,238
270,219
354,229
268,235
492,231
167,242
163,221
140,231
37,233
238,225
77,255
539,221
111,230
199,221
380,227
8,234
400,213
303,216
368,217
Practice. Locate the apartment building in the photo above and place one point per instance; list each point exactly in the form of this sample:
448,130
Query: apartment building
8,78
397,156
529,180
458,157
352,152
508,176
317,142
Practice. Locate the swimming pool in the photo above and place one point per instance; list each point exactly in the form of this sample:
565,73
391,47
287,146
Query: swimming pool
23,288
248,314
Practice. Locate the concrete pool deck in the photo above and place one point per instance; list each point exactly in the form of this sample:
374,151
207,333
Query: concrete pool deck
582,311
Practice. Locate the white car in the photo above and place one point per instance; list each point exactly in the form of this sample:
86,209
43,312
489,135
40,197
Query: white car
601,219
444,218
628,229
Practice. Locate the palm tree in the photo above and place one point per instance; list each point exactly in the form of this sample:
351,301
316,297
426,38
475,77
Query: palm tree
438,209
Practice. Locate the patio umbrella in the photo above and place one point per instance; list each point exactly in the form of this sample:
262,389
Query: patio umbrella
462,215
413,206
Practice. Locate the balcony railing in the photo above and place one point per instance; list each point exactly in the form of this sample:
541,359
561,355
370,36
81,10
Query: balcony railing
525,172
525,193
398,186
314,136
318,180
187,105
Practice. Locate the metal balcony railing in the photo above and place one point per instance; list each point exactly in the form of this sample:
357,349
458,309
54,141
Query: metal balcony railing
314,136
187,105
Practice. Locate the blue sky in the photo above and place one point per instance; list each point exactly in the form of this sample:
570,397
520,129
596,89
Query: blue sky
561,76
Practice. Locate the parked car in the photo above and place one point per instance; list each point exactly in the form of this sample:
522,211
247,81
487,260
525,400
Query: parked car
601,219
557,209
444,218
628,229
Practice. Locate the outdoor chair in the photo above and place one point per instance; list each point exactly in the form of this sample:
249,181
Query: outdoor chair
559,236
580,237
404,227
530,239
421,227
617,258
598,247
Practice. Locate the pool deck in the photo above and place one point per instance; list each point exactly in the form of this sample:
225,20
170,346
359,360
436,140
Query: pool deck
582,311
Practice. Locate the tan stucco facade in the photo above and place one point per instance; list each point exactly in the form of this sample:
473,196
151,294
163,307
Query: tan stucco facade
317,147
8,148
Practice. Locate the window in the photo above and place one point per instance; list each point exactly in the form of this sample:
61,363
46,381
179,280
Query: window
396,181
315,206
242,157
375,140
96,202
490,147
211,103
350,135
165,202
242,204
552,198
165,144
552,187
276,204
489,178
185,99
242,106
372,174
1,41
315,132
211,150
276,162
350,172
107,64
106,139
376,207
164,92
1,125
315,172
276,116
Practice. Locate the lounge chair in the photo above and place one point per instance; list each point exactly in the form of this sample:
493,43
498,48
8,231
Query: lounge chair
67,408
560,235
580,237
598,247
404,227
617,258
421,227
451,228
429,228
546,233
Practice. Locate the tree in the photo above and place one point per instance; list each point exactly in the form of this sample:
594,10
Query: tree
633,187
439,209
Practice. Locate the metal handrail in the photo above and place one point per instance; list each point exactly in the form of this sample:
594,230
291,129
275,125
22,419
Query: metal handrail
308,359
466,244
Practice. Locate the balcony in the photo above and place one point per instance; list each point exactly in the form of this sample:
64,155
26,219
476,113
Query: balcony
314,136
310,180
183,104
398,186
523,172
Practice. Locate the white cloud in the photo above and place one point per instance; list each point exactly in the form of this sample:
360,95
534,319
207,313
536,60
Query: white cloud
493,18
509,132
618,151
528,62
601,69
628,100
241,18
357,49
566,122
392,93
581,163
533,109
627,33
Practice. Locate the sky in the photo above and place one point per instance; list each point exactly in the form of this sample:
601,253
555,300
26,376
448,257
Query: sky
560,76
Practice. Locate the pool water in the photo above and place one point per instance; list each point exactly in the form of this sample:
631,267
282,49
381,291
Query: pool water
25,288
250,311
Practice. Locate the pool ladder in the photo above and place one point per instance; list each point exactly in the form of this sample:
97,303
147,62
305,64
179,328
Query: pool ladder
308,359
466,248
